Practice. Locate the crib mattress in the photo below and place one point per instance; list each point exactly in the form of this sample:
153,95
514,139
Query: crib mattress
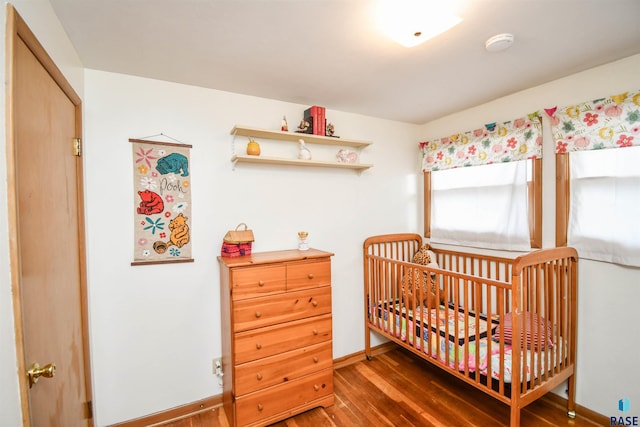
461,341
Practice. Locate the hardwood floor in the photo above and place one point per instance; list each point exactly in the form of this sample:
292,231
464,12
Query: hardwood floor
399,389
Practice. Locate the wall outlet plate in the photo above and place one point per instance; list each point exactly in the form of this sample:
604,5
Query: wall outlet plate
217,365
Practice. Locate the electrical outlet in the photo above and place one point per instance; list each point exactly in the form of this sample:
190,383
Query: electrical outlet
217,370
217,365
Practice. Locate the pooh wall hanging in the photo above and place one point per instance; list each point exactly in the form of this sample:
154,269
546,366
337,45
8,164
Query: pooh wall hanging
162,207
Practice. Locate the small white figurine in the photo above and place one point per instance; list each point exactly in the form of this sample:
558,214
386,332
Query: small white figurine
303,152
347,156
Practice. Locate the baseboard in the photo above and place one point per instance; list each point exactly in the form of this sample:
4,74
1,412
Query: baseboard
175,413
350,359
581,411
213,402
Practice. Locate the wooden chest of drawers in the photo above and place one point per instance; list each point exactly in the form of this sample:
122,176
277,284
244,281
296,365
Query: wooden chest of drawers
277,354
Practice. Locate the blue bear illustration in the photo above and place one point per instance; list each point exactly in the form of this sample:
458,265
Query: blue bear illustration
173,163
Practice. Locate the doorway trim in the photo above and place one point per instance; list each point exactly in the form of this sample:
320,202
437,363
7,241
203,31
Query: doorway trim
17,29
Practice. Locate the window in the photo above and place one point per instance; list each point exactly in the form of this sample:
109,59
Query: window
484,187
495,206
600,194
597,177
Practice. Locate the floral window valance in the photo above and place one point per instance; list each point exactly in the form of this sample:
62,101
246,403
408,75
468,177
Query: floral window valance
611,122
494,143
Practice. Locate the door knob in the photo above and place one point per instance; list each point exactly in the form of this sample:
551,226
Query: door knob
35,372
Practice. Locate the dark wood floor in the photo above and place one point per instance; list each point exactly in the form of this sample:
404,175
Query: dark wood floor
398,389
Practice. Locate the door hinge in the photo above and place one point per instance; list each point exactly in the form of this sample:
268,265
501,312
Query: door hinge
89,409
77,147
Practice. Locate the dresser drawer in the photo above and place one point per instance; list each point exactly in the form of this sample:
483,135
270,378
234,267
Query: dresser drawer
257,281
274,400
281,368
257,312
270,340
304,275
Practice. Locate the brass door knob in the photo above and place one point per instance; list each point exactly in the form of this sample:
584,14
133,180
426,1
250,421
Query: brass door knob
35,372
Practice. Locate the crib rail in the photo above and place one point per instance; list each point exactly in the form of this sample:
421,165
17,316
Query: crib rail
464,329
545,286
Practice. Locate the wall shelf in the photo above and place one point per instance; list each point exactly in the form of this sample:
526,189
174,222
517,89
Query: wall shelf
294,136
237,158
251,132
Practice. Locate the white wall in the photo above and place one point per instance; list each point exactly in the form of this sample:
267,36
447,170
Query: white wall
40,17
608,343
155,329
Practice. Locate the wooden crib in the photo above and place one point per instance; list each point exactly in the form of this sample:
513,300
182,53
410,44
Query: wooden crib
505,326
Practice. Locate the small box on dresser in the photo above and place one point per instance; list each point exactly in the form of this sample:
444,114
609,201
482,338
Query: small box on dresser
277,352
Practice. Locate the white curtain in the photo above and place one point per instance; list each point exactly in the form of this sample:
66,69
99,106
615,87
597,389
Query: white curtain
604,218
481,206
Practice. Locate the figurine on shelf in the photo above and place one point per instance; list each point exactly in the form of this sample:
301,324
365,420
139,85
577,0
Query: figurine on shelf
303,127
303,152
253,148
284,127
330,130
347,156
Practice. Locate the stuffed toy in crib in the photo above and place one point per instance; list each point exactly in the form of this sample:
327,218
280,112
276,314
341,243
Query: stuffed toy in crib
412,279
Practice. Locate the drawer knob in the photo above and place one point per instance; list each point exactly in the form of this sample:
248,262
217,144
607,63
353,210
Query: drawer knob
315,359
258,314
315,332
261,283
258,346
260,407
316,387
314,303
259,376
310,275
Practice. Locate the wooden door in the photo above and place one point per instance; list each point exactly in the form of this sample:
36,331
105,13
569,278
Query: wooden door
49,277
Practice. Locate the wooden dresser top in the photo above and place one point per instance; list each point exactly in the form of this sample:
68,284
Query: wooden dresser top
274,256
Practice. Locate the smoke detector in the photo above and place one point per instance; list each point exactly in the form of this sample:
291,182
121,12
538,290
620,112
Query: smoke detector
499,42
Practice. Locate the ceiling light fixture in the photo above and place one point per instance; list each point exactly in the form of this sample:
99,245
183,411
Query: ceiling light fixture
499,42
411,22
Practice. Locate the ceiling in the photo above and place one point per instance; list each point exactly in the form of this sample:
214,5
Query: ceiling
329,52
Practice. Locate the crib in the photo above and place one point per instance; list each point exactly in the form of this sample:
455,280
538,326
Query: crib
505,326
